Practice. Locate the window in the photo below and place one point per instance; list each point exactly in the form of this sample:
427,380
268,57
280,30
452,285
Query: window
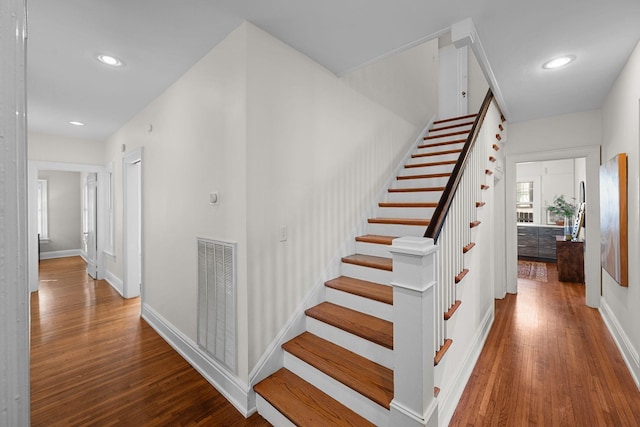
43,211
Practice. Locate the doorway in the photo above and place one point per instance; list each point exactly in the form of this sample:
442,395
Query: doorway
132,224
592,231
452,81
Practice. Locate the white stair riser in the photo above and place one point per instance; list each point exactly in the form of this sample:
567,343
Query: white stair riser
415,196
365,273
426,169
271,414
366,408
460,125
420,182
396,230
438,148
405,212
454,122
361,304
443,139
373,249
438,158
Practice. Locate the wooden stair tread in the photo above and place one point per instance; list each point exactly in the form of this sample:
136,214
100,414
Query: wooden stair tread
377,239
362,288
399,221
371,328
422,165
434,129
436,153
409,190
407,204
424,176
452,310
440,144
303,404
461,275
370,261
440,353
437,122
468,247
368,378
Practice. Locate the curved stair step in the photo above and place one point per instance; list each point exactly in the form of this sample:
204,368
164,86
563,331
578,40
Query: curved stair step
359,324
370,379
303,404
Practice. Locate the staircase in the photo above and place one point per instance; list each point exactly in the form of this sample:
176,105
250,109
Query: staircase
340,370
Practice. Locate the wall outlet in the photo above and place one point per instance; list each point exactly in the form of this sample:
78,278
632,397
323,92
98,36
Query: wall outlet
283,233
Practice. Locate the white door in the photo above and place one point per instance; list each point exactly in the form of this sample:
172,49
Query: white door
132,237
452,82
90,224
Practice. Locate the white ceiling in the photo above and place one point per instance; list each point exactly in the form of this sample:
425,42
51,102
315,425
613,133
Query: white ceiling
160,39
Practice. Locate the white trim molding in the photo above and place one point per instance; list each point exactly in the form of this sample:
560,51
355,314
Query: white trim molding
629,353
114,281
230,386
61,254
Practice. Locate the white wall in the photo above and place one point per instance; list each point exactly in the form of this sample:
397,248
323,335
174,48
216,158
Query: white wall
64,210
53,148
620,134
317,154
477,85
285,143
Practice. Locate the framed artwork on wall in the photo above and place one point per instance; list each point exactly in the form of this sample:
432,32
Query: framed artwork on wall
614,250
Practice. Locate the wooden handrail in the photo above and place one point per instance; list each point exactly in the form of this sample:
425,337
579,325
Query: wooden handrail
440,213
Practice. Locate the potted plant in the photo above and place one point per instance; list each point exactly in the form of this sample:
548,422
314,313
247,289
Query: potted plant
564,209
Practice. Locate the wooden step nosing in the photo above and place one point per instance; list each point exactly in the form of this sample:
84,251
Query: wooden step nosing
431,164
442,351
440,144
446,135
362,303
451,119
417,189
400,221
325,382
465,124
424,176
417,205
362,288
378,263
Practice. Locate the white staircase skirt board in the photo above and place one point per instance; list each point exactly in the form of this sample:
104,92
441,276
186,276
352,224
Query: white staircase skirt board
365,348
373,249
271,414
361,304
366,273
425,169
424,213
396,229
415,196
366,408
420,182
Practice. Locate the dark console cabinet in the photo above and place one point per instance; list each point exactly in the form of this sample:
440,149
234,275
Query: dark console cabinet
538,242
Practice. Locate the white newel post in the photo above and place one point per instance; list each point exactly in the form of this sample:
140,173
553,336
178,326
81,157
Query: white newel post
14,289
414,280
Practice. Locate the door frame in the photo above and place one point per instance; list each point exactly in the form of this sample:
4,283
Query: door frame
593,279
130,289
32,209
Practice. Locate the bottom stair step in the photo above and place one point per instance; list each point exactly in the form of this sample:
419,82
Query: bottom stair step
303,404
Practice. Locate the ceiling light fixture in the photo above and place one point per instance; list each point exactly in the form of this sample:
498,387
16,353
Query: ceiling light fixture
110,60
558,62
75,123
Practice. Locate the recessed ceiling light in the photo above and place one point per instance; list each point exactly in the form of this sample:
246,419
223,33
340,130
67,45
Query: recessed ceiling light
558,62
110,60
75,123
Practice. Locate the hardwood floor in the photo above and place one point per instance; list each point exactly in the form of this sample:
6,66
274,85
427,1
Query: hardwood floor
549,361
95,362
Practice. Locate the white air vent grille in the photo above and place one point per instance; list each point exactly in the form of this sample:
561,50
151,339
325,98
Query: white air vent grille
217,301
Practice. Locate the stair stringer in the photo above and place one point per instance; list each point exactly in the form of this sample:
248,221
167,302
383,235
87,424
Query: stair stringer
273,358
471,323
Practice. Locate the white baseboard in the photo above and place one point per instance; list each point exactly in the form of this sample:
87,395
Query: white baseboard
60,254
230,386
629,353
451,396
115,282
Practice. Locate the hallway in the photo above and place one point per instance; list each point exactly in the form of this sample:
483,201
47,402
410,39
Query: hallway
94,361
549,361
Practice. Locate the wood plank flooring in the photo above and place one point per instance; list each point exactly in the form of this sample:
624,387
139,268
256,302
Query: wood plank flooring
549,361
95,362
